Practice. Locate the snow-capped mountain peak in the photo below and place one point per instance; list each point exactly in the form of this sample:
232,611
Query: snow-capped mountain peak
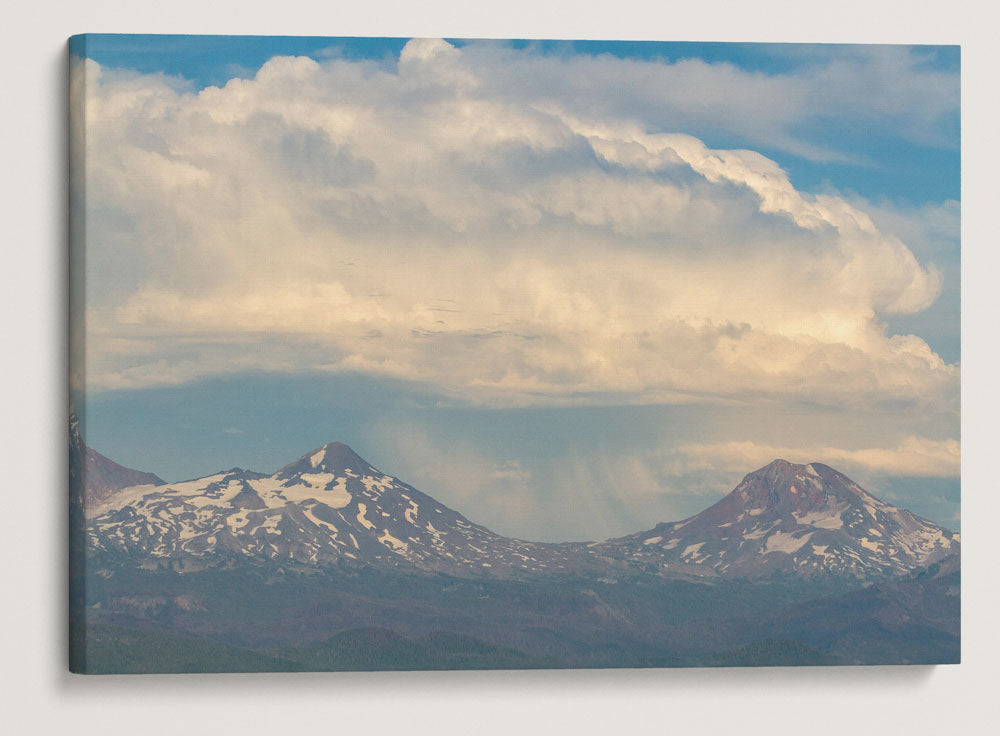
333,457
801,519
328,507
789,489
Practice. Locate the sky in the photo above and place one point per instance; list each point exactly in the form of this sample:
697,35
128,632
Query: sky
570,289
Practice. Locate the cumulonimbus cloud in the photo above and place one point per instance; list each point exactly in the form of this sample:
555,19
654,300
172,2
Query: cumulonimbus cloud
428,223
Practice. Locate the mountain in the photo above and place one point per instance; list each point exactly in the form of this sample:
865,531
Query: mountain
331,508
100,477
105,477
328,563
804,520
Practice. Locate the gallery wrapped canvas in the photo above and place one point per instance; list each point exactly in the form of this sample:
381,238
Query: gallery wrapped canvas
441,354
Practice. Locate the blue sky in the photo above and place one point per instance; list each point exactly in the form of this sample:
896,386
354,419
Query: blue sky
569,288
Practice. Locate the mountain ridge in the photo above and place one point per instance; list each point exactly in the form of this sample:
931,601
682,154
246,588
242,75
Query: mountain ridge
332,507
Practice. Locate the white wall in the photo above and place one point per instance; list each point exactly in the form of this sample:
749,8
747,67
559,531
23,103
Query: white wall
39,697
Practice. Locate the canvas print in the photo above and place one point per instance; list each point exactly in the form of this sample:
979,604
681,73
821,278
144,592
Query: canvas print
448,354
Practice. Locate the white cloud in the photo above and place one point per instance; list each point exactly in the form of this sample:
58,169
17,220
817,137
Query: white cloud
890,90
912,456
505,244
931,230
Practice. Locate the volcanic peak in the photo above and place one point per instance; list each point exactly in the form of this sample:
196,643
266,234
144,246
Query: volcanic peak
333,457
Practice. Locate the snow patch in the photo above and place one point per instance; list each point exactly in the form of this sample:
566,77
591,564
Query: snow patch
395,544
269,525
868,544
362,508
317,458
781,542
411,512
820,549
276,494
380,484
822,519
760,531
693,549
238,520
319,522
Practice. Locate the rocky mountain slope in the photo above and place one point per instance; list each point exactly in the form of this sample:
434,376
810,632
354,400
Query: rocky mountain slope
101,477
797,519
329,507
